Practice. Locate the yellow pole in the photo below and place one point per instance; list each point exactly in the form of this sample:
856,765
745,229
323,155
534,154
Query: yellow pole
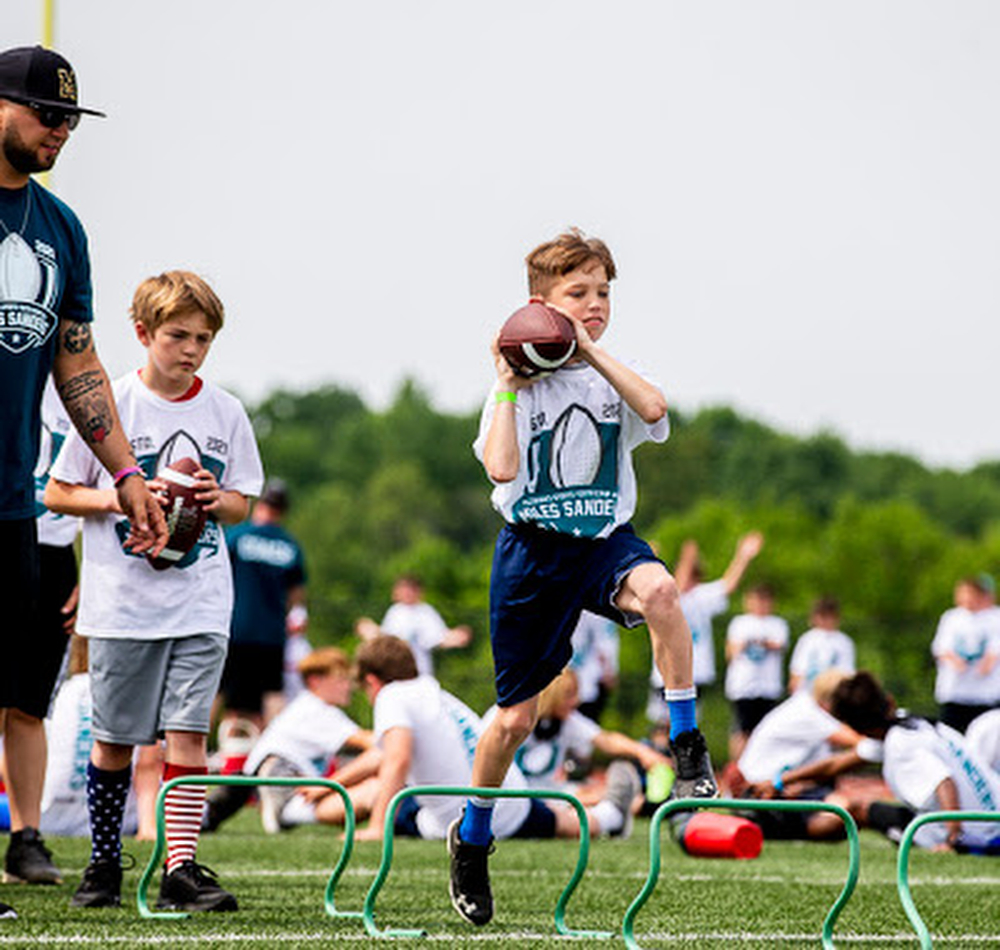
48,41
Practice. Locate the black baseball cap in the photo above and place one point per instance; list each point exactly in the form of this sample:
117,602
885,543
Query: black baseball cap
275,494
33,74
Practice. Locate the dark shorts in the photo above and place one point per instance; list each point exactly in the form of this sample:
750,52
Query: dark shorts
789,825
251,670
540,582
58,578
959,715
747,713
539,823
19,588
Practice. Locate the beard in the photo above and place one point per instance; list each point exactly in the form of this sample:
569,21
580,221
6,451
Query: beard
20,157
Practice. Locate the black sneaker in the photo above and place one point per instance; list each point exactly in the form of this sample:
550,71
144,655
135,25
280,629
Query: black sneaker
7,912
28,861
695,778
192,887
469,879
101,886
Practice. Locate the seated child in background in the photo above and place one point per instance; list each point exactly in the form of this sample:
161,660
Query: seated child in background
798,732
158,638
303,739
562,730
426,736
823,647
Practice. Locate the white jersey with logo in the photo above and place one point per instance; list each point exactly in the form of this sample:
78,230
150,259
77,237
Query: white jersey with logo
983,737
794,733
421,626
308,732
121,594
971,635
756,672
53,529
576,436
541,757
444,732
819,650
919,757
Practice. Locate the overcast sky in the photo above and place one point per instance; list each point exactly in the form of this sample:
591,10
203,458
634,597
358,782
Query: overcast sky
803,198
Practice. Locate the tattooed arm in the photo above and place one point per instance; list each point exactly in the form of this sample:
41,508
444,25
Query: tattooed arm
85,390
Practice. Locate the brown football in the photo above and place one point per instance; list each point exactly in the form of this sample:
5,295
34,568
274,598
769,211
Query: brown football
537,339
185,516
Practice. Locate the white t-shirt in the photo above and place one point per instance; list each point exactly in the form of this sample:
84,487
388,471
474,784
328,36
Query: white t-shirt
541,759
421,626
576,436
308,732
444,732
819,650
919,757
971,635
756,672
983,737
53,529
64,797
121,595
700,605
794,733
595,653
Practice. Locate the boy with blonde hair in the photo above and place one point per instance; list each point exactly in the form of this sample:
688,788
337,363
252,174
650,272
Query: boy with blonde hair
158,637
558,450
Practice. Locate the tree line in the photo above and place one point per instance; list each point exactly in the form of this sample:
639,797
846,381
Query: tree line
378,493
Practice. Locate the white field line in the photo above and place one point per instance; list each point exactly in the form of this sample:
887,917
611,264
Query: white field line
273,937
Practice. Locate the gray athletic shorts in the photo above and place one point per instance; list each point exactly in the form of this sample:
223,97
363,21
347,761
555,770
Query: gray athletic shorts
143,688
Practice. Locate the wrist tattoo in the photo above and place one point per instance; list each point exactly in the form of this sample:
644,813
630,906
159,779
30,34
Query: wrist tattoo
76,338
87,402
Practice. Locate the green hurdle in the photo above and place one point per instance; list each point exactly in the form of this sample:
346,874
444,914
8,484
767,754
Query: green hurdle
691,804
156,859
903,863
368,914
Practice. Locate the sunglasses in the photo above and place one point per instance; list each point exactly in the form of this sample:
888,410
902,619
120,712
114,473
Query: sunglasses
51,116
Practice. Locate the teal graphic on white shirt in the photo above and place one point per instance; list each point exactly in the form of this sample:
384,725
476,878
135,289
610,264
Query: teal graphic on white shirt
572,475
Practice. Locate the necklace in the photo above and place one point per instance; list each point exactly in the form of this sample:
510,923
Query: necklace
24,220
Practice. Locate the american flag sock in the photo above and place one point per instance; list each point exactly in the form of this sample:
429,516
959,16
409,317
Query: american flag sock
183,809
106,795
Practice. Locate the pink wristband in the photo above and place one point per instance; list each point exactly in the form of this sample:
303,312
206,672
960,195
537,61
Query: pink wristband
124,473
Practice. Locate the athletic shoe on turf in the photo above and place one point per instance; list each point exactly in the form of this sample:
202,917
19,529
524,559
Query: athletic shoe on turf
469,878
624,783
7,912
695,778
101,886
273,798
193,887
28,861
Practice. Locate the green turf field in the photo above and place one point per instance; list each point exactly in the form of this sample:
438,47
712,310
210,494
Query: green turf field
778,900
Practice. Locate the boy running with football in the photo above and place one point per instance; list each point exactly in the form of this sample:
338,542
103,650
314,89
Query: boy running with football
558,450
158,633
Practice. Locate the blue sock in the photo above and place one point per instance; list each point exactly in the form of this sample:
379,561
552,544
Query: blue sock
477,821
683,715
106,795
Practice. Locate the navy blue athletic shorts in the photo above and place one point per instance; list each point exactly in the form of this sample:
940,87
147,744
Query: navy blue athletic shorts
19,589
540,583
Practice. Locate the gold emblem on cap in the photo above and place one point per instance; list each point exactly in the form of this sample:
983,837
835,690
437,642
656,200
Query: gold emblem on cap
67,84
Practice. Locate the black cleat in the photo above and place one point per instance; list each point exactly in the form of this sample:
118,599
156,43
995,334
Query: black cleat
193,887
101,886
469,880
28,861
695,778
7,912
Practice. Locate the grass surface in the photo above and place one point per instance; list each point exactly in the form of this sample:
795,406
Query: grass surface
778,900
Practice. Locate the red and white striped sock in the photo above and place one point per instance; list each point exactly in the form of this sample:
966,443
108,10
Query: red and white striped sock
183,809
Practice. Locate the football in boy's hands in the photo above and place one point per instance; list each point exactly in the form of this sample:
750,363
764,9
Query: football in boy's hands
184,513
537,339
